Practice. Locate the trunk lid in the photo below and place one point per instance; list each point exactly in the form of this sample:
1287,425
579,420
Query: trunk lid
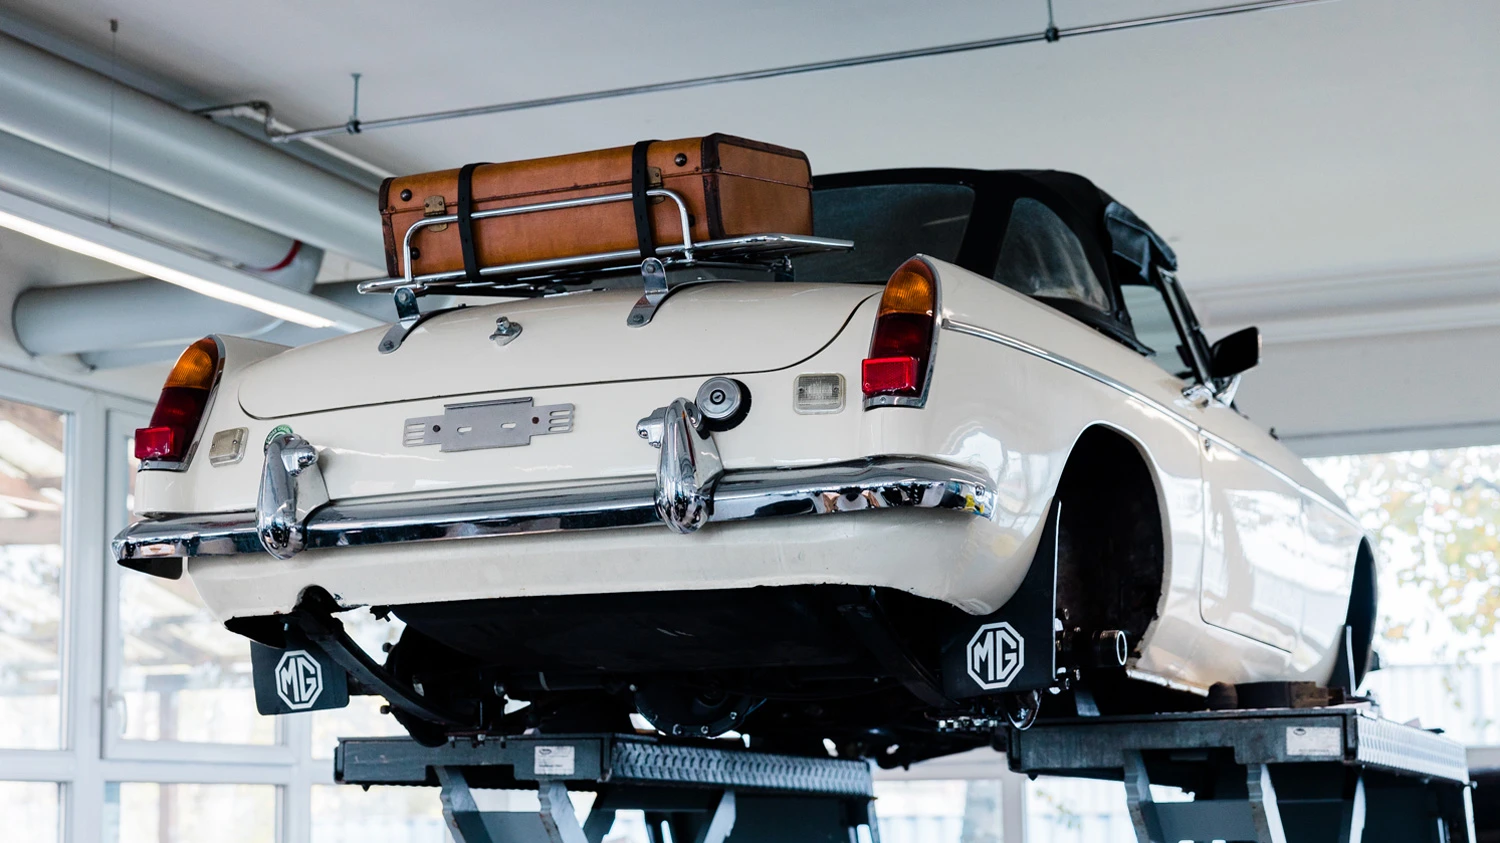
711,329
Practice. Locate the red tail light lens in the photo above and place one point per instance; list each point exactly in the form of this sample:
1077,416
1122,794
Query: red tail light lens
901,346
179,410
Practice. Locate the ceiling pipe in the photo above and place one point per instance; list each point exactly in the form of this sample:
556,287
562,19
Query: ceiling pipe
69,183
355,126
82,114
142,312
282,333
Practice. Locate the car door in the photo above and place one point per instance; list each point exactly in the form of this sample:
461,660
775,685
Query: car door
1255,530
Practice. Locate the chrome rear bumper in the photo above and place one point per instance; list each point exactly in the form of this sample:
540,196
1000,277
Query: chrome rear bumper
880,483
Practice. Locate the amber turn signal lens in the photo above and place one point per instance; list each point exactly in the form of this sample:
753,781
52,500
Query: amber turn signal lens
910,290
196,367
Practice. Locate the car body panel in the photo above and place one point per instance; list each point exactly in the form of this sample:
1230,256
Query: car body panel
1015,385
565,340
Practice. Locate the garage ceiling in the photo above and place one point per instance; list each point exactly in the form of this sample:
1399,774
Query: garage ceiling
1325,170
1346,135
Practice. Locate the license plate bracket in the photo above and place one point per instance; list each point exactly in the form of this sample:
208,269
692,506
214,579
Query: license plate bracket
507,423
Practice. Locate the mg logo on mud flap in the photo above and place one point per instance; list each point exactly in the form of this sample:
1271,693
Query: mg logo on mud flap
299,679
995,655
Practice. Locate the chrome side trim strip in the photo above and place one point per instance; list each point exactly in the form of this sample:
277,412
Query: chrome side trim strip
1170,412
744,495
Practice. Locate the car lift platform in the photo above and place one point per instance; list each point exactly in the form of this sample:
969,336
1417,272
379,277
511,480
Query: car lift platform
702,793
1282,775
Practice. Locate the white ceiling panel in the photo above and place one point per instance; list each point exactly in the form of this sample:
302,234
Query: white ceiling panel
1329,137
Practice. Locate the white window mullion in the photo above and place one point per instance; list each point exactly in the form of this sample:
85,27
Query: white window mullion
296,801
84,618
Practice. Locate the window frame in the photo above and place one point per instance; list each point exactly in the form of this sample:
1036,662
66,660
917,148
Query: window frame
1165,283
120,425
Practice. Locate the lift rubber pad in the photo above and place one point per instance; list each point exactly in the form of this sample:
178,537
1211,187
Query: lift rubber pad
618,759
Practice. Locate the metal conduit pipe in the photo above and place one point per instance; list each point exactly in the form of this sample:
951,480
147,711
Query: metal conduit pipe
75,111
69,183
354,125
141,312
282,333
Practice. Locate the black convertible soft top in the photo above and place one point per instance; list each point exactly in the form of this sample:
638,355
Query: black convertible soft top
967,216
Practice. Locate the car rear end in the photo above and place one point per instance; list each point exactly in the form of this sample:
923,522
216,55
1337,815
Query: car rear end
579,456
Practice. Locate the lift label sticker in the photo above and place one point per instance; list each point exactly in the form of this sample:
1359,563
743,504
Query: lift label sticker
554,761
996,654
1326,741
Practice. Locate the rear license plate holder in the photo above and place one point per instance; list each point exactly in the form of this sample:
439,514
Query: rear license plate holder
507,423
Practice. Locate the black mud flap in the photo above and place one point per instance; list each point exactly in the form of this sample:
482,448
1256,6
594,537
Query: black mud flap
1015,647
299,678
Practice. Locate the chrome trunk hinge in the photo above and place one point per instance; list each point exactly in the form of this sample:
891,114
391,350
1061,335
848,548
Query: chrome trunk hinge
291,487
689,466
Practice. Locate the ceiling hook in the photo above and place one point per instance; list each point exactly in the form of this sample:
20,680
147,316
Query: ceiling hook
353,125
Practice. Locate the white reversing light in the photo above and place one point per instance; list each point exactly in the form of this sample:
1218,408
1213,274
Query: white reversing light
819,394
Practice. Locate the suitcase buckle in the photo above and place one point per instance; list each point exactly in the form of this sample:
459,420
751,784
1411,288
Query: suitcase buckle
435,206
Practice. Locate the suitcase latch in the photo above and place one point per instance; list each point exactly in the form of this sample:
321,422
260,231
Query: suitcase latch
654,181
435,206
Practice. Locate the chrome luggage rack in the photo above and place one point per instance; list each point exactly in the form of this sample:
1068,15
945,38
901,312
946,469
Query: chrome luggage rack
530,278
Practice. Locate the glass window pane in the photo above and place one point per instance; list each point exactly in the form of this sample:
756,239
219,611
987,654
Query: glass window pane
223,813
345,814
1042,257
1153,326
1077,811
1435,516
183,676
30,811
32,463
937,811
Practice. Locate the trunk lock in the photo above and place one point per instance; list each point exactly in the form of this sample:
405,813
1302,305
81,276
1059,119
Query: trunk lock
724,403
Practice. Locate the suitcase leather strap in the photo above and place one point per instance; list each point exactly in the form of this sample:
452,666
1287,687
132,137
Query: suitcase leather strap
466,221
640,182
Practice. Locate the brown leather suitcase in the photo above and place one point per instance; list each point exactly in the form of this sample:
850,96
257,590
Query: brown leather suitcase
732,187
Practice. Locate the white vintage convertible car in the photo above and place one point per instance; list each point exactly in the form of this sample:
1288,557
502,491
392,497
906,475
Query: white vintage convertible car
886,497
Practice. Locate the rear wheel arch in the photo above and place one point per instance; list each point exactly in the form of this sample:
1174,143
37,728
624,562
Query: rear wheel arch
1112,542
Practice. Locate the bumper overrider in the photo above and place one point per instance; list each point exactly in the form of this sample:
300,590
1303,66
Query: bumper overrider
691,488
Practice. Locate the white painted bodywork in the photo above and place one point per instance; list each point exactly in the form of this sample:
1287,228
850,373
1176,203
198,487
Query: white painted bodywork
1259,554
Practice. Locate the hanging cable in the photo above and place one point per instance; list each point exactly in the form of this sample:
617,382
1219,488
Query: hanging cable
1052,33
